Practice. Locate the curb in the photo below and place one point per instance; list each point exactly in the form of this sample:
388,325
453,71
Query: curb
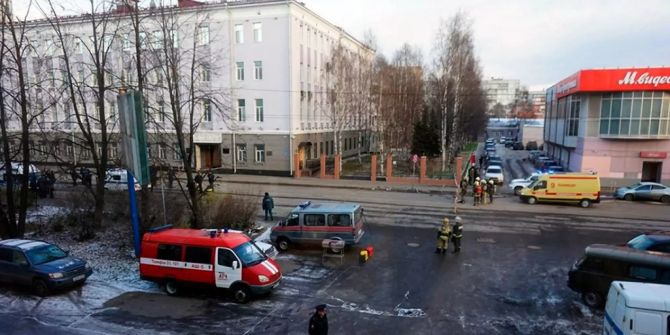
370,188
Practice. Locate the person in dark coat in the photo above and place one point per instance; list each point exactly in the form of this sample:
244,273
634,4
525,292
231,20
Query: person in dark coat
153,177
457,234
74,175
268,205
318,323
198,180
210,179
171,176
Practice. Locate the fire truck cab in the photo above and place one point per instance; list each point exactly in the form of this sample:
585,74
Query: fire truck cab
220,258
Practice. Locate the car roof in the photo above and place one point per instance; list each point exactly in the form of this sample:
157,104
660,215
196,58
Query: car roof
23,244
626,254
645,295
197,237
320,207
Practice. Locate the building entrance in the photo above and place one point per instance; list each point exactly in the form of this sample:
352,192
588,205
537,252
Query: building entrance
651,171
210,156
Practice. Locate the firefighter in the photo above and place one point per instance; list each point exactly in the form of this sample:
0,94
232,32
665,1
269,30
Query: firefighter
463,190
485,189
491,190
476,192
471,174
457,234
443,235
198,180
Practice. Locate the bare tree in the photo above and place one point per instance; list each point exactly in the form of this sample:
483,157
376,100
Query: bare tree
89,89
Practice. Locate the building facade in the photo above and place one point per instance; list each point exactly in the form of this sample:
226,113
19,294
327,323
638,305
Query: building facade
264,67
613,122
501,91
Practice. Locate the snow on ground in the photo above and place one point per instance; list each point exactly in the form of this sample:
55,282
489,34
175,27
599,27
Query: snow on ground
43,214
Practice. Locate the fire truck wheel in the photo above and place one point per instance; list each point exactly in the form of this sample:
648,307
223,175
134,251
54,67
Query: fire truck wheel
241,293
171,287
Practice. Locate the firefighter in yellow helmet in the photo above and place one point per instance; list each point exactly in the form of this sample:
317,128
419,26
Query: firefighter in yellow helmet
443,236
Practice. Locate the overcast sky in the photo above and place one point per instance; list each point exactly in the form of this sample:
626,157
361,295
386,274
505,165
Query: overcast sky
539,42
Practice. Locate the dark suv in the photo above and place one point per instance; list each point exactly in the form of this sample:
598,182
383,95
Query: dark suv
40,265
659,241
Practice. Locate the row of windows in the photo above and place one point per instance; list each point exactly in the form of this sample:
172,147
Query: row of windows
241,153
242,110
319,220
635,113
154,39
258,70
200,255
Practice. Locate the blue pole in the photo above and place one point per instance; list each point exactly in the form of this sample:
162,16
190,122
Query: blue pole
134,218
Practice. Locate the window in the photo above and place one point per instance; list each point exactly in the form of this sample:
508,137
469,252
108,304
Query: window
315,220
541,185
6,255
339,220
203,36
639,272
293,220
573,118
198,255
174,34
205,73
157,39
635,114
239,34
226,258
19,258
113,150
259,149
241,152
239,70
126,41
207,110
258,32
169,252
258,70
175,153
241,112
161,152
161,111
259,110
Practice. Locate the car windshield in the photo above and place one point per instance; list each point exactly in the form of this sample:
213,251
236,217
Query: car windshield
494,170
634,185
45,254
249,253
641,242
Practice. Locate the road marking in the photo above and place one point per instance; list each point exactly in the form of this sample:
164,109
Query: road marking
534,247
413,245
486,240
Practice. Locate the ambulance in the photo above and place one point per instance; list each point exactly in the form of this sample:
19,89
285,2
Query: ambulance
175,257
580,188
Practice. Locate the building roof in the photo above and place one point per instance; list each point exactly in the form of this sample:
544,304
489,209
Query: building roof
612,80
645,295
199,237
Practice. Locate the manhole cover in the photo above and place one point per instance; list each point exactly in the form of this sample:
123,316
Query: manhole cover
534,247
413,245
486,240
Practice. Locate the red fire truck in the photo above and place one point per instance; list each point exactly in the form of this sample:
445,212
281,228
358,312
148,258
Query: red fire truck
221,258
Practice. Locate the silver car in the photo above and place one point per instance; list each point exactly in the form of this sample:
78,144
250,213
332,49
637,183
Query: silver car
644,191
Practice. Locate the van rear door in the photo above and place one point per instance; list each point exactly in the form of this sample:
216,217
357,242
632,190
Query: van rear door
227,268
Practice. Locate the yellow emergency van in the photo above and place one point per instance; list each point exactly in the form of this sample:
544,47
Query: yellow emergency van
565,187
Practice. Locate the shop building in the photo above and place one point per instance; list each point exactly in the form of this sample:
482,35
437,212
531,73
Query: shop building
612,121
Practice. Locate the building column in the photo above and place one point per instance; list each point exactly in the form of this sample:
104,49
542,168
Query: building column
459,168
422,169
373,168
338,160
322,164
389,167
296,165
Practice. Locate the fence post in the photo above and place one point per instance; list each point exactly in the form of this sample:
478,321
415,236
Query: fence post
422,169
338,158
459,169
296,165
322,170
373,168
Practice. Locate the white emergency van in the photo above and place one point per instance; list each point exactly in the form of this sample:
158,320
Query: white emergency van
637,308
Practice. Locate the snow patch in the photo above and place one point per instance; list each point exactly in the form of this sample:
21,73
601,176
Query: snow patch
43,214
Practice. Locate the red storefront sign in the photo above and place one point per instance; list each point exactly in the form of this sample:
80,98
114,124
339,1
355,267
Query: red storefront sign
615,80
653,154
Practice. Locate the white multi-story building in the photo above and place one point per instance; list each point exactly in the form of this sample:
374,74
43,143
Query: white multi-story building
501,91
264,65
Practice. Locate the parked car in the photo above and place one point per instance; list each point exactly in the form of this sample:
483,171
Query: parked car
531,145
517,146
644,191
495,160
17,170
117,180
544,166
592,274
509,143
43,266
495,172
658,241
502,140
539,161
518,184
637,308
533,154
555,169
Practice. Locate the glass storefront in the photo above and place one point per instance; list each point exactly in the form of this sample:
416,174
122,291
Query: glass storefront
635,114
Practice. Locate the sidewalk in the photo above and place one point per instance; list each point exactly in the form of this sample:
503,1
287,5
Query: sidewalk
332,183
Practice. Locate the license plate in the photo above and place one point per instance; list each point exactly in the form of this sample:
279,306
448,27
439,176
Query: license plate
78,278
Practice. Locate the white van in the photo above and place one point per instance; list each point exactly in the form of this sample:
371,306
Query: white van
637,308
117,180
